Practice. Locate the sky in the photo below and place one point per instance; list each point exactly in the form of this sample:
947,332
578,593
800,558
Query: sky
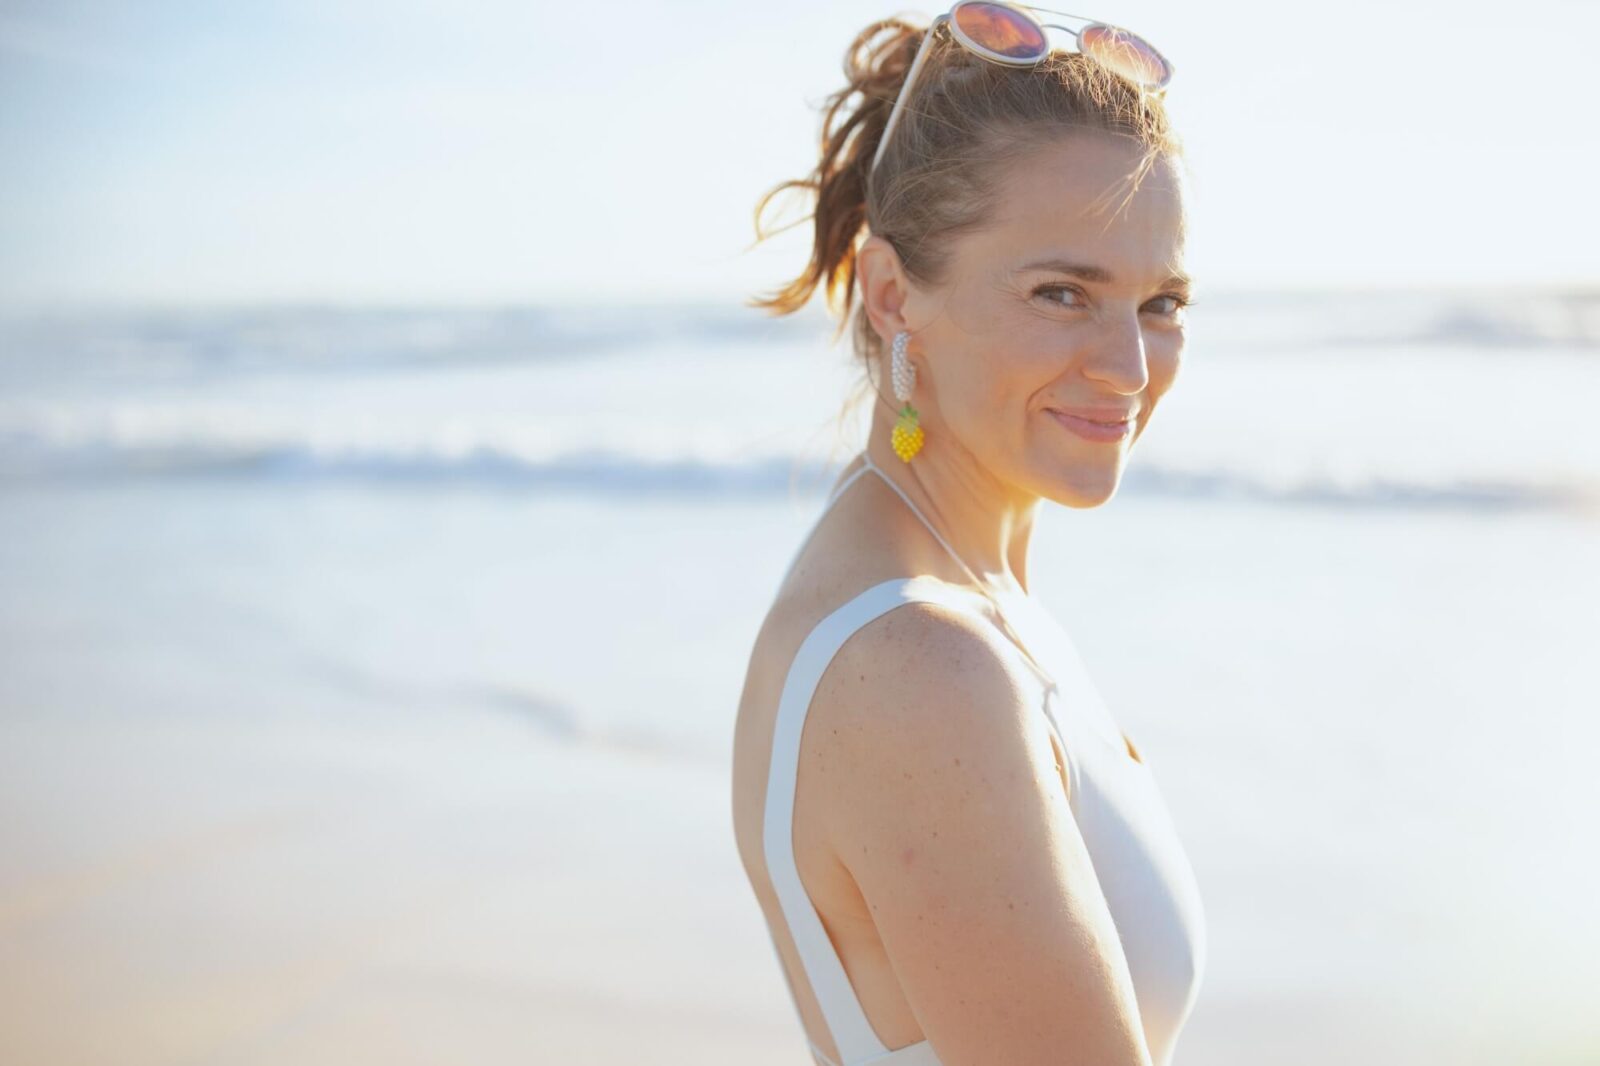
404,151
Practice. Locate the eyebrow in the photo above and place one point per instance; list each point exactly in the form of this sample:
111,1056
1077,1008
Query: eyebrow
1089,272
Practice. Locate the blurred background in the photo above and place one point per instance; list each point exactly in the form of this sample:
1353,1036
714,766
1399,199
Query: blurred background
392,482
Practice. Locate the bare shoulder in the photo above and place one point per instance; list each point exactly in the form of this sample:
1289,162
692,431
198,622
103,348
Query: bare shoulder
925,676
945,805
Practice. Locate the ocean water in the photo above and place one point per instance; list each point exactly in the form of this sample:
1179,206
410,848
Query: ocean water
1348,596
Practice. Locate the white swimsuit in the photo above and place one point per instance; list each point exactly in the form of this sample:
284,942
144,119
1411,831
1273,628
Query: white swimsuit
1143,870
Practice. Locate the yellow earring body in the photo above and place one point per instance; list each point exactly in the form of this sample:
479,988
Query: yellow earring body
907,436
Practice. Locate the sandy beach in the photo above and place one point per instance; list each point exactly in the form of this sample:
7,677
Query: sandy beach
425,892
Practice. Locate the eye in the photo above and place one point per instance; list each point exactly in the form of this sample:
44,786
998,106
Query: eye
1042,289
1178,303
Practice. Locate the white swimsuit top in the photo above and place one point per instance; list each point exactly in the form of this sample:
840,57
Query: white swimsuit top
1141,865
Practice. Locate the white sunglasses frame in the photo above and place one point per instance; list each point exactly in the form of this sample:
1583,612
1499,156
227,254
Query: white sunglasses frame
1025,10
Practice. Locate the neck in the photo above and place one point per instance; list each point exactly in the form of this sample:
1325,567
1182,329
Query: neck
987,524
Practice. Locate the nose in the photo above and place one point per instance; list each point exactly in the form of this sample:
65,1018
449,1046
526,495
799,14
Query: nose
1118,359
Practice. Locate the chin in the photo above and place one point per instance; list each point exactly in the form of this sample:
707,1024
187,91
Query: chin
1085,491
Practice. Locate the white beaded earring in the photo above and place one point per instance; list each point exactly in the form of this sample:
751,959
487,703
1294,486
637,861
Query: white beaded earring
907,436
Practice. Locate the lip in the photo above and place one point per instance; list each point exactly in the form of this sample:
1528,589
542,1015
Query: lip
1104,427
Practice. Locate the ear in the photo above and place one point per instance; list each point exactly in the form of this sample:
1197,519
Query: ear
884,287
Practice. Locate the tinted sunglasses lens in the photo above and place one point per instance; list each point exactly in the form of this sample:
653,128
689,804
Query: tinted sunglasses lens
1003,30
1124,53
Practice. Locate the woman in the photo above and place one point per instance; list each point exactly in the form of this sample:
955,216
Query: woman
961,859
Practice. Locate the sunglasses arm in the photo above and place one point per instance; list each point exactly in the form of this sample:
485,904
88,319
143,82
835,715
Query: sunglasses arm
1052,11
905,89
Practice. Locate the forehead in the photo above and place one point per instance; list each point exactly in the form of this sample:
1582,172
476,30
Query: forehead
1076,197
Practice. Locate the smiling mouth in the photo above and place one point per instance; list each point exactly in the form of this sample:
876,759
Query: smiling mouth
1093,429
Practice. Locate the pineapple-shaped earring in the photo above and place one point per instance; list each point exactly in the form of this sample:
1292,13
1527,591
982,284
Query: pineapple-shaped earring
907,436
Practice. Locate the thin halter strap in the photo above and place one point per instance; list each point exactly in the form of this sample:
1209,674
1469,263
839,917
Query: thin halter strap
1015,636
916,511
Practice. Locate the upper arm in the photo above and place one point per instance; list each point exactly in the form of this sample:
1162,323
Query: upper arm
948,811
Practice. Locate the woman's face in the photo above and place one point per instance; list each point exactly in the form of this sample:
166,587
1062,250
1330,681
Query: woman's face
1063,303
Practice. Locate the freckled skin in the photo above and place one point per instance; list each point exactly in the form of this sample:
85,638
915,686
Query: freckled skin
992,355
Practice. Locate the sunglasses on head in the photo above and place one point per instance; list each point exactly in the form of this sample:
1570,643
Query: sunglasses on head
1009,34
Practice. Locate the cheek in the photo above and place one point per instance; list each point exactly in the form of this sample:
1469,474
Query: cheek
998,383
1165,356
